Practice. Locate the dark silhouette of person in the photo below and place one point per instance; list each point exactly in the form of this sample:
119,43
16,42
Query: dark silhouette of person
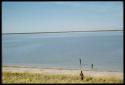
82,76
92,66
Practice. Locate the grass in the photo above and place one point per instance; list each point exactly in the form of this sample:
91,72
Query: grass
14,77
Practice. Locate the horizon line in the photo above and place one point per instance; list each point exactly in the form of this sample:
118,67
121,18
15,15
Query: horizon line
63,32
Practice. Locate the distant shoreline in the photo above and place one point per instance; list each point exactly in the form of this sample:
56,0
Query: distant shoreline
62,32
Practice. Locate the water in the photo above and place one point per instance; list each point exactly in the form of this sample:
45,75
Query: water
63,50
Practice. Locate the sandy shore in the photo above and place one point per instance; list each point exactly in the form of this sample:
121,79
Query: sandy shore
63,71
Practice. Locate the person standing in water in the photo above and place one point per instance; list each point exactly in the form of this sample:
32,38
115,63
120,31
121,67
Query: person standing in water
92,66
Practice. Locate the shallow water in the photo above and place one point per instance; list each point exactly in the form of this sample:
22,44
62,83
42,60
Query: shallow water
102,49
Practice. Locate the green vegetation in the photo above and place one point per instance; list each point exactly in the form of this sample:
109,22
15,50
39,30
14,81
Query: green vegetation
14,77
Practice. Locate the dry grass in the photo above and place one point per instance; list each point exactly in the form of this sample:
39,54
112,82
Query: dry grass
16,77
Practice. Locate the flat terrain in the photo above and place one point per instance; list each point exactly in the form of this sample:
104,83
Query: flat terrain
11,74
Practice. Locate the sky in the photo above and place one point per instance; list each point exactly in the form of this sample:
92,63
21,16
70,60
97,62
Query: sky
22,17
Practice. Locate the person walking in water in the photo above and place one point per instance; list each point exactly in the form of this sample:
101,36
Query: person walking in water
82,76
92,66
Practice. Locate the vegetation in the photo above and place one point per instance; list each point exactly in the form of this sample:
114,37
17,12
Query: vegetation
14,77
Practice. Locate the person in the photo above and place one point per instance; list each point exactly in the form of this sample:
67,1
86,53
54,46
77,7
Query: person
82,76
92,66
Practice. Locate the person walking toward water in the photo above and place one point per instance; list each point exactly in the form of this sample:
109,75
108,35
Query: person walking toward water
82,76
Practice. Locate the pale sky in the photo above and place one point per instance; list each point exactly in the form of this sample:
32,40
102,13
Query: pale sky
20,17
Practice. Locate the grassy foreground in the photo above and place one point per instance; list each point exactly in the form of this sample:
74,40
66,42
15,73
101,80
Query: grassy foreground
15,77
